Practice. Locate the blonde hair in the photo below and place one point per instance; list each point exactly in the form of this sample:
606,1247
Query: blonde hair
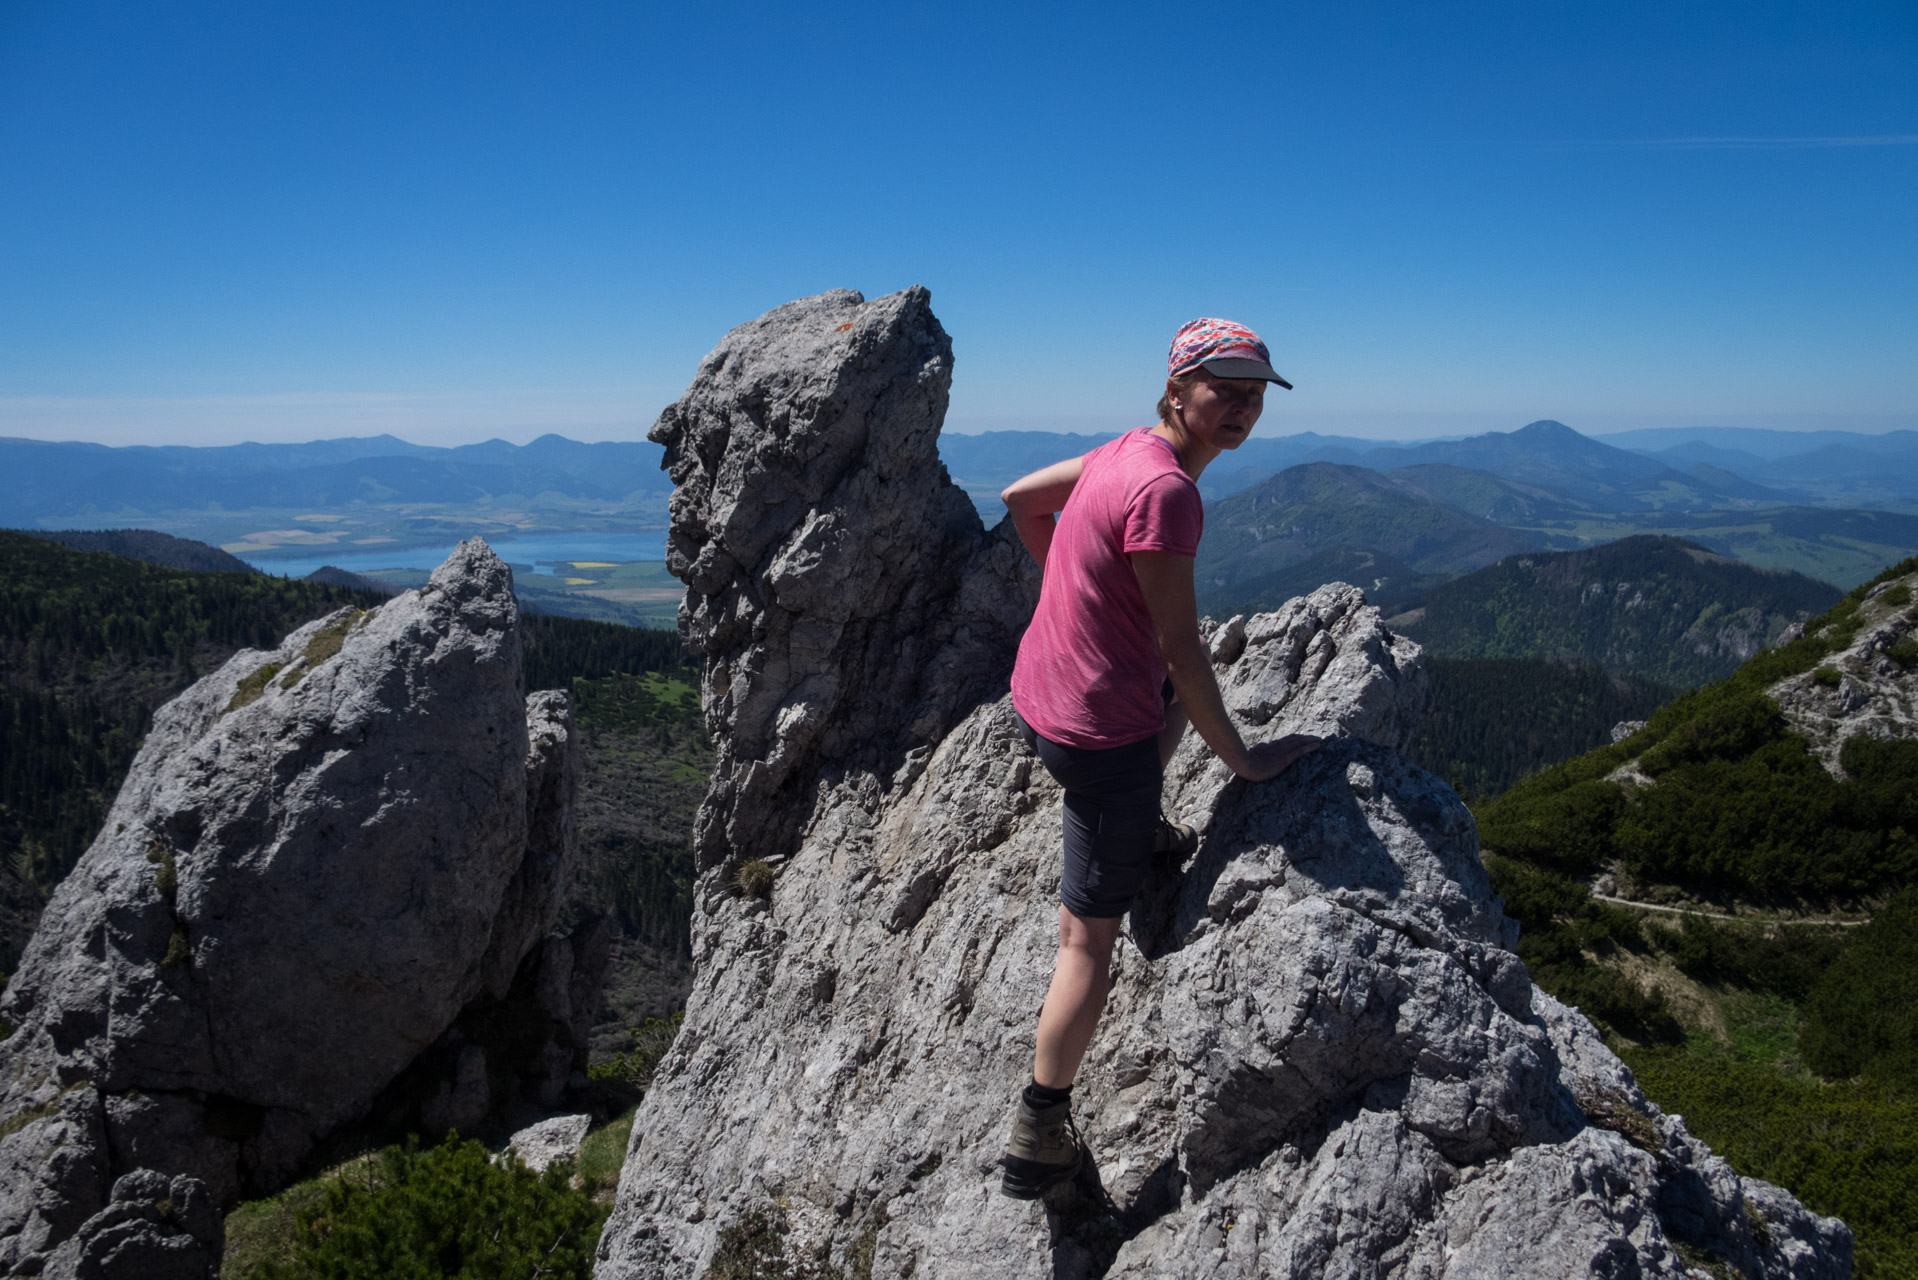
1182,383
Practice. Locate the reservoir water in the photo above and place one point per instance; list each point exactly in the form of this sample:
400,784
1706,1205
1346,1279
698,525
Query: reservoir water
542,551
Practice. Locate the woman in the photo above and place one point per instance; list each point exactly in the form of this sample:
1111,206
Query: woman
1108,675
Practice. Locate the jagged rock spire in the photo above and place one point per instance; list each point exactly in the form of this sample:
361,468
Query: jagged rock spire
1320,1057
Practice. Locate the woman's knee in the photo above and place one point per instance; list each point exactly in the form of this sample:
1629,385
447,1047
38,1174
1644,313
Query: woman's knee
1094,935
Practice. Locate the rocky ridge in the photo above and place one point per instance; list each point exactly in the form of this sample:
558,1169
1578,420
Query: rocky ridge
1320,1057
1870,687
325,862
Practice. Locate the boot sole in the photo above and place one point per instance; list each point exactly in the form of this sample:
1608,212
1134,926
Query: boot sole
1028,1180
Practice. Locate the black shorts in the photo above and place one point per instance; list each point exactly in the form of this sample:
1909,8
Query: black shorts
1111,819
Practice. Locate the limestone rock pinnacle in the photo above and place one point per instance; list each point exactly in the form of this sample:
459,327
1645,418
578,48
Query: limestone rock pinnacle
1320,1057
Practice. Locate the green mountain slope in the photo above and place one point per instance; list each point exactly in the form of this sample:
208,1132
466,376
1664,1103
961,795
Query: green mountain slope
1717,960
1321,506
1658,608
1487,496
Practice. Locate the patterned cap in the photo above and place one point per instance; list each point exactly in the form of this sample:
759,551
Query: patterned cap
1226,349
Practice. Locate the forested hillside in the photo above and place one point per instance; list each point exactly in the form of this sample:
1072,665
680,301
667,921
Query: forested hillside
1388,583
1689,889
1494,721
1658,608
149,545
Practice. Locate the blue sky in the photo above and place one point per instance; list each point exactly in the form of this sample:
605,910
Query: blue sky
451,221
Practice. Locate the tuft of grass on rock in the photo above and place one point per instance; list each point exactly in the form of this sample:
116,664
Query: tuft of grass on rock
754,879
326,642
603,1155
178,949
253,684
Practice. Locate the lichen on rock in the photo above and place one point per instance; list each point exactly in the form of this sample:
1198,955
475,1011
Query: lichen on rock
1320,1057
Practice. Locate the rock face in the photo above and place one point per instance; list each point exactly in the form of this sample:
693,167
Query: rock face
320,858
1320,1057
1875,689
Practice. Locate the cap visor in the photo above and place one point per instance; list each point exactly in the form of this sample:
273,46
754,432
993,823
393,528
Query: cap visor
1234,368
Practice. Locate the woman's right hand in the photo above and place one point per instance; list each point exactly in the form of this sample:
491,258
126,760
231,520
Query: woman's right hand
1270,759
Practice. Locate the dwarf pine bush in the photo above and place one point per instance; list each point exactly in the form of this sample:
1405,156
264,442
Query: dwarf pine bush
450,1213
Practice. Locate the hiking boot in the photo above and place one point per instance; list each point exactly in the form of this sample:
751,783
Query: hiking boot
1174,837
1044,1150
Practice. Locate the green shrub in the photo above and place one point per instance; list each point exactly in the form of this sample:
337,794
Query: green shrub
1740,806
1896,597
634,1068
1850,1150
1829,677
1568,828
1788,962
1862,1018
1722,728
450,1213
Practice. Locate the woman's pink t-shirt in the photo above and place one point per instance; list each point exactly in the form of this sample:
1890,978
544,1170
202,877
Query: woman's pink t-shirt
1089,670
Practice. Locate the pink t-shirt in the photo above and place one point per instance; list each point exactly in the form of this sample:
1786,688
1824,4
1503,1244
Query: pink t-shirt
1089,670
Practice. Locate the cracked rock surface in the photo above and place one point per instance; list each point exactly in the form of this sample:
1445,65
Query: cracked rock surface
1320,1058
320,856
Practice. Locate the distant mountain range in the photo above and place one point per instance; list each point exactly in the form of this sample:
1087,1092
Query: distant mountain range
1680,470
1661,470
58,480
1662,609
1285,512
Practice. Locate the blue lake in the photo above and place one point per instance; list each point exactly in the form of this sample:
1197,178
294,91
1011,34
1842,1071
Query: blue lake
543,551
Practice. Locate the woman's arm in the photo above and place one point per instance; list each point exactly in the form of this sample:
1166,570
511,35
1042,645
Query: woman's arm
1166,580
1033,501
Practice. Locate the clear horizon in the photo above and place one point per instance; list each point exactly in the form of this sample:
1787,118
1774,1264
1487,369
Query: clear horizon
451,222
1070,426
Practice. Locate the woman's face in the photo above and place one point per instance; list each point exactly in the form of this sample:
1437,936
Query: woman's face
1220,411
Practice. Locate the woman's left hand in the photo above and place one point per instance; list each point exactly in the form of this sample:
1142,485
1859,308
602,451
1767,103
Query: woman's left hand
1270,759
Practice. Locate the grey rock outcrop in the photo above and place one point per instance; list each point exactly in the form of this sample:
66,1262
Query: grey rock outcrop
1875,692
552,1139
320,857
1320,1057
1625,729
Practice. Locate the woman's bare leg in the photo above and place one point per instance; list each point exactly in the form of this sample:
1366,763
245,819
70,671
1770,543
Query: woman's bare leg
1081,977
